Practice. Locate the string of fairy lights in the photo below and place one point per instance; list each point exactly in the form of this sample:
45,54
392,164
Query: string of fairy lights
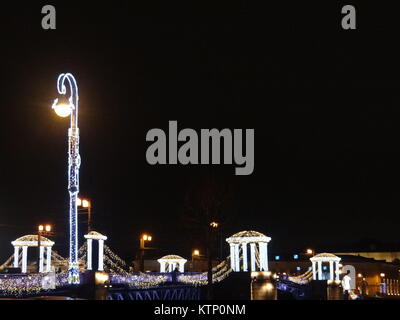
9,261
114,256
31,284
219,273
112,266
139,281
303,278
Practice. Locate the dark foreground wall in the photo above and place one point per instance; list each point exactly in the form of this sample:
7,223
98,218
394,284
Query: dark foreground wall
235,287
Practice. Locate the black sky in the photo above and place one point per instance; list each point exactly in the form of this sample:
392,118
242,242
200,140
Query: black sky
324,104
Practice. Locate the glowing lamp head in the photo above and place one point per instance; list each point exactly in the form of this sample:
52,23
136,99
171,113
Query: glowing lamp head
62,109
85,203
382,275
79,202
149,238
48,228
41,228
145,237
196,252
214,224
310,251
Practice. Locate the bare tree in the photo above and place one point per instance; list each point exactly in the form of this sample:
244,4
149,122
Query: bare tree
206,211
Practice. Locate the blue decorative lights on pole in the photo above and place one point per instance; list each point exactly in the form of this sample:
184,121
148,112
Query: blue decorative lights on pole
65,109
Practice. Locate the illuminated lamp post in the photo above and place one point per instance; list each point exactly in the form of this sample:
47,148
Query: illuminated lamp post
195,254
70,108
310,252
383,283
86,204
41,231
143,239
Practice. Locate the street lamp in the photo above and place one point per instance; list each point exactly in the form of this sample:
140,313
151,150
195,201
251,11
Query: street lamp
143,239
310,251
214,224
65,109
42,230
383,283
87,205
195,254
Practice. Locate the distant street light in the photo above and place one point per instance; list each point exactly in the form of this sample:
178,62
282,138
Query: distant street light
383,283
87,204
143,239
310,251
195,254
214,224
42,230
65,109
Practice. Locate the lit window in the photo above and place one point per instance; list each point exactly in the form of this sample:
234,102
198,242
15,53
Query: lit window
277,257
296,256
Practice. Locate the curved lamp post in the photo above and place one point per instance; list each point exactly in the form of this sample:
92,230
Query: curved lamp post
65,109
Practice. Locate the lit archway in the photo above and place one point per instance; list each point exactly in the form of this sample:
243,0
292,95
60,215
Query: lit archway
32,241
317,261
93,235
170,263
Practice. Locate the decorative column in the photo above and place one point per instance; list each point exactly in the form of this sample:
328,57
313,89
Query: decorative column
48,261
162,266
244,249
101,255
337,270
331,277
181,267
24,258
41,253
237,258
89,254
232,251
263,256
314,272
260,256
319,270
266,266
253,256
16,256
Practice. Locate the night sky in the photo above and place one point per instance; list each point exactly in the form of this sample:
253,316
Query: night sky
324,103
